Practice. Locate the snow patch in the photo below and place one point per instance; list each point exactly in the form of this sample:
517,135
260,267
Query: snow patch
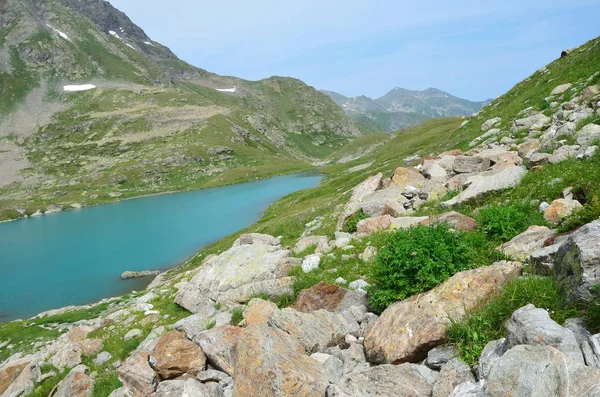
130,46
113,33
75,88
227,89
148,43
61,34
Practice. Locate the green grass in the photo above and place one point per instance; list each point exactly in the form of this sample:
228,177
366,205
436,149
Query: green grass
22,337
74,315
503,222
105,384
237,315
351,223
488,322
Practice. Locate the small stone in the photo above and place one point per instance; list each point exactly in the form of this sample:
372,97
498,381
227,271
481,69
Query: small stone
134,333
311,263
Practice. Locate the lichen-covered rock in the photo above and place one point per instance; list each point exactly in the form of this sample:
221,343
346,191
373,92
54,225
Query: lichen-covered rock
440,355
560,209
404,177
561,89
361,191
540,371
258,311
76,384
452,374
138,378
387,380
522,246
271,363
408,329
406,222
237,274
490,123
328,297
470,164
454,220
175,355
321,244
375,203
373,225
18,377
219,345
490,355
532,326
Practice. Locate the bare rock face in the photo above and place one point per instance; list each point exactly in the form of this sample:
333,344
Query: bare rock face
361,191
522,246
404,177
373,225
316,330
76,384
138,378
408,329
256,264
175,355
470,164
329,297
271,363
66,355
219,345
532,326
540,371
387,380
455,220
258,311
17,377
453,373
560,209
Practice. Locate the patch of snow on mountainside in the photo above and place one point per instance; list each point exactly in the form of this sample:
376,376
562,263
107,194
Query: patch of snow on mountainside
113,33
61,34
226,89
75,88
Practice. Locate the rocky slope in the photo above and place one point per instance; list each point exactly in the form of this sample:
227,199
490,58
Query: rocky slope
91,104
258,315
401,108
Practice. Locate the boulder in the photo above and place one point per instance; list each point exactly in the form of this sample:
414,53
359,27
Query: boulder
404,177
76,384
567,129
538,158
258,311
588,134
564,153
589,344
535,121
102,359
435,171
256,238
219,345
191,325
484,183
534,327
320,242
408,329
311,263
137,376
66,355
528,146
490,123
328,297
454,220
386,380
369,254
331,366
373,225
439,356
561,89
540,371
188,388
271,363
577,262
354,358
316,330
175,355
489,356
590,92
91,347
522,246
470,164
361,191
452,374
237,274
560,209
18,377
406,222
375,203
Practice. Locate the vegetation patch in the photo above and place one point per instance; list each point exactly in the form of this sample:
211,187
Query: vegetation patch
503,222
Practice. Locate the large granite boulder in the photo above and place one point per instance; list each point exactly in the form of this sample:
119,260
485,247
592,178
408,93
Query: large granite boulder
175,355
237,274
258,311
375,203
219,345
373,225
522,246
483,183
361,191
408,329
470,164
532,326
560,209
321,243
404,177
76,384
316,330
540,371
453,219
577,262
329,297
452,374
18,377
403,380
138,378
271,363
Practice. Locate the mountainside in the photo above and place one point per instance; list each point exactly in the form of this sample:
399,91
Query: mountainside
144,121
401,108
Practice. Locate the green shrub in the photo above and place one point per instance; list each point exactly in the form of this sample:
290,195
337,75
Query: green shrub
237,315
502,223
472,334
352,221
592,314
416,260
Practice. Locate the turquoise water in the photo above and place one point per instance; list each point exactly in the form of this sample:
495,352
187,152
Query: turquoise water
77,257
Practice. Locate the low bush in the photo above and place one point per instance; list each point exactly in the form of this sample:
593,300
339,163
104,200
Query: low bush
503,222
488,323
415,260
352,221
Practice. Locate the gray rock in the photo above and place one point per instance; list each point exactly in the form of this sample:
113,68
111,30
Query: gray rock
212,375
76,384
489,356
354,358
102,358
564,153
320,242
535,121
532,326
361,191
406,222
588,134
134,333
587,153
542,260
488,182
439,356
468,164
490,123
452,374
170,388
133,274
577,262
522,246
561,89
590,344
468,389
331,366
375,203
24,383
191,325
386,380
541,371
567,129
538,158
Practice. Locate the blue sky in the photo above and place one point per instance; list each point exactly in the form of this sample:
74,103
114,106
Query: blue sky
472,49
